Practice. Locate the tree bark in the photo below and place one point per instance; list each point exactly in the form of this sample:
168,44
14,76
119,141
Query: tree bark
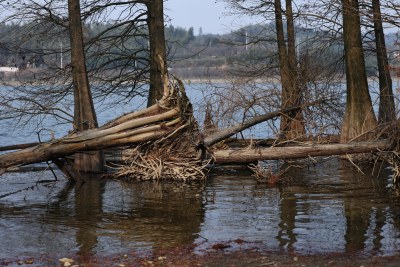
84,113
292,124
275,153
387,112
158,55
359,116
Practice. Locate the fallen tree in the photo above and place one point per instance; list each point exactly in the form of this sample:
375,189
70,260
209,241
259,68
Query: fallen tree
165,142
164,134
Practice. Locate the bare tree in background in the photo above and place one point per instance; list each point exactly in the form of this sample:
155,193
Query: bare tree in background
292,125
306,61
387,112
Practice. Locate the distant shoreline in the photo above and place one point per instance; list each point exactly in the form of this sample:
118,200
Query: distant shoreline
19,79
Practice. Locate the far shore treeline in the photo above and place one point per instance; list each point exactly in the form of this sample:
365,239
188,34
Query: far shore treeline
192,53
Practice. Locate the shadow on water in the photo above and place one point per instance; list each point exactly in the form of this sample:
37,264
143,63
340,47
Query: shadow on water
327,208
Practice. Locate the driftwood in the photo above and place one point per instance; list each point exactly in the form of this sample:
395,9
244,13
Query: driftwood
274,153
163,139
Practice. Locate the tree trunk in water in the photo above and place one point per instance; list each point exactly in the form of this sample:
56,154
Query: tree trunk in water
292,124
387,111
359,116
84,114
155,22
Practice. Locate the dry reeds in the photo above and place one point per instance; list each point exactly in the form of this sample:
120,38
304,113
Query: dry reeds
155,166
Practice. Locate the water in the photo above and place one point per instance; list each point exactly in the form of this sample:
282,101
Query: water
328,207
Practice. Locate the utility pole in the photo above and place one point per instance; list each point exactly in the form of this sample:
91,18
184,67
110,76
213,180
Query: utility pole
246,40
61,55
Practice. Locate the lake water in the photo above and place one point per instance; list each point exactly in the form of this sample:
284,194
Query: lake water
327,207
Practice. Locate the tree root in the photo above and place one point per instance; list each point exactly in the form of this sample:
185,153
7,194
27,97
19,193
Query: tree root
175,156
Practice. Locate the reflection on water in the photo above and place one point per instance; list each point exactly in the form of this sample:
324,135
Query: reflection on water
327,208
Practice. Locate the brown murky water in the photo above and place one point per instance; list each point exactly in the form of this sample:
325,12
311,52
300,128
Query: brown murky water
326,208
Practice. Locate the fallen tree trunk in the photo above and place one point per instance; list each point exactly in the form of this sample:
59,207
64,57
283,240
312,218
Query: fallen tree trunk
63,148
275,153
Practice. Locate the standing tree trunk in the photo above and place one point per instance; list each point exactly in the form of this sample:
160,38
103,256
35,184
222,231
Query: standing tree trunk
84,114
387,111
359,116
292,124
158,55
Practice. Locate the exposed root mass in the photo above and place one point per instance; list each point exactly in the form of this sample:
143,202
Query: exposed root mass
175,156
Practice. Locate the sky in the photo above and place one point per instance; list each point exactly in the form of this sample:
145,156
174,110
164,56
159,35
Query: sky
211,16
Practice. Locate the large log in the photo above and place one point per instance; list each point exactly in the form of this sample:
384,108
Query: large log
295,152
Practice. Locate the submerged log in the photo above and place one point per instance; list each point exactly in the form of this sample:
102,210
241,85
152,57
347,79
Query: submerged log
296,152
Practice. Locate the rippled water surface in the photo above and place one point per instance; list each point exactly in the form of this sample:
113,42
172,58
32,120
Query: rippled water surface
326,208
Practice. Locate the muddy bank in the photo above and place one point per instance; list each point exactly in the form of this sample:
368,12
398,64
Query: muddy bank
253,258
187,257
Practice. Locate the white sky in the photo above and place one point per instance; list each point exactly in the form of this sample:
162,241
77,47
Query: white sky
210,15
